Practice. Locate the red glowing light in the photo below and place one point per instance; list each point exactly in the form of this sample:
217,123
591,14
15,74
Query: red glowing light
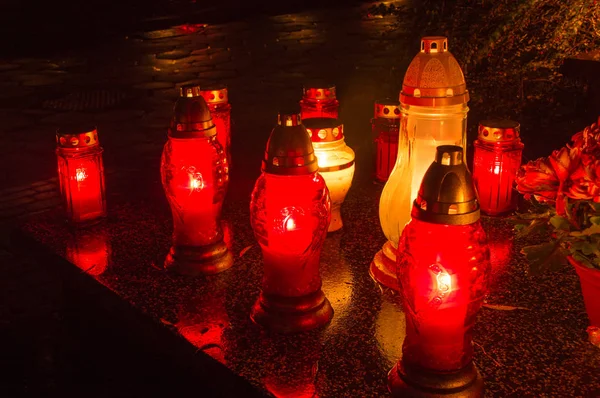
386,129
496,160
195,180
319,103
443,288
81,176
220,112
290,216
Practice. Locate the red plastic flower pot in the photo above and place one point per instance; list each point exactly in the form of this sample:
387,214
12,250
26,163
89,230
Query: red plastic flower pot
590,287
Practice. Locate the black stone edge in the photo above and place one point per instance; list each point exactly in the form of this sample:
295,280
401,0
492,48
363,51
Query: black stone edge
105,308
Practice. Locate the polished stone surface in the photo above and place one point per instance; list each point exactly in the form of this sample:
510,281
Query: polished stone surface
540,348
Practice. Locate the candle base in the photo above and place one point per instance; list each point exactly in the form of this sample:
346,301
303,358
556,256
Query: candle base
292,314
383,266
406,382
336,219
202,260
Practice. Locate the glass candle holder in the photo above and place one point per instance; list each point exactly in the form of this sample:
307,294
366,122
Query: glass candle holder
81,175
319,100
195,176
386,130
443,271
217,99
290,212
496,160
434,109
336,162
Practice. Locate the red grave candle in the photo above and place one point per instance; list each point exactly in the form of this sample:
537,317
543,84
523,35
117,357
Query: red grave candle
319,100
290,211
195,176
443,269
81,175
496,160
217,100
386,129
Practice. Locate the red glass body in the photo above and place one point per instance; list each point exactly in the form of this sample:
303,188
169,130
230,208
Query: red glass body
81,178
221,117
495,167
195,177
444,274
386,133
311,107
290,216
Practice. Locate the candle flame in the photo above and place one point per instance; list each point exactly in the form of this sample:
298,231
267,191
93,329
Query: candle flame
444,282
80,175
290,224
195,184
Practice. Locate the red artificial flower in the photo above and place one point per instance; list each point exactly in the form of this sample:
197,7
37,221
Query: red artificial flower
538,178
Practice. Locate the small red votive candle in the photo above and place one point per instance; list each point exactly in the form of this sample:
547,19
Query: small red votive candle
81,175
386,129
319,100
496,160
217,100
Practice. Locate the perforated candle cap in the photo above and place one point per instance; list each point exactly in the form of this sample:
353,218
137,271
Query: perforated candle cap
324,129
191,115
214,95
289,149
77,137
319,91
387,108
447,194
499,131
434,77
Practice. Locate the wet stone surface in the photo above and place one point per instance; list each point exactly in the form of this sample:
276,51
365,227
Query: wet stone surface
540,349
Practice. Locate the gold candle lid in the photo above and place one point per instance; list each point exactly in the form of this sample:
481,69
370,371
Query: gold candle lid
387,108
319,91
499,131
215,95
434,77
324,129
77,137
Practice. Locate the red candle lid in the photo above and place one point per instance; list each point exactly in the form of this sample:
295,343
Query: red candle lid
77,137
324,129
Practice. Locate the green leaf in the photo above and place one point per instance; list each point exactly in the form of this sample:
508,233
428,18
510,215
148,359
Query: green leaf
583,260
534,227
560,223
595,220
546,256
594,229
583,246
